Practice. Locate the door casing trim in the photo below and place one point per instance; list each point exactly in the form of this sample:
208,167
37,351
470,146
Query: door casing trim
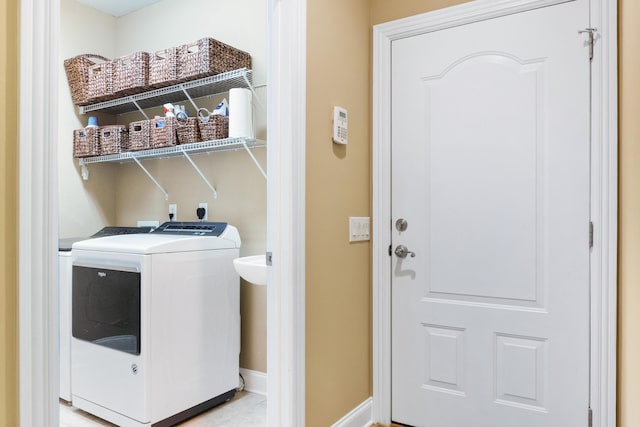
604,190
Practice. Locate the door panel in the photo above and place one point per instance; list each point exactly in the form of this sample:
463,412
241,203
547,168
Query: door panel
490,168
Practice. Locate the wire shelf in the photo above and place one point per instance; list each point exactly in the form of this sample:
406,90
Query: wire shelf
176,150
206,86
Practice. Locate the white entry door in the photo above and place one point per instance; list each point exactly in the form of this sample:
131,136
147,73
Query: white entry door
490,197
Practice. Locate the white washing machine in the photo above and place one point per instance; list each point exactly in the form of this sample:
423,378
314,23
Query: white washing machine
156,323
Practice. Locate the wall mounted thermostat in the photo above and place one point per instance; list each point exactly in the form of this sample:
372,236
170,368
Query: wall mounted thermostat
339,125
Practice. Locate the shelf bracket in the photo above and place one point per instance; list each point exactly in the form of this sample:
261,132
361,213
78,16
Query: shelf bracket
204,178
244,143
195,107
84,170
166,195
139,109
255,95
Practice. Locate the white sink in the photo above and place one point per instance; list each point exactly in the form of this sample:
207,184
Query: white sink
253,269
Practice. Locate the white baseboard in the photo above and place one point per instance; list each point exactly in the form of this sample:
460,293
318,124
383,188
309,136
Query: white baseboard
358,417
254,381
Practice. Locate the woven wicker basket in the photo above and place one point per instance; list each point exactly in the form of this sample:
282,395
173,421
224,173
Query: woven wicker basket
188,130
101,82
86,142
139,138
77,70
131,73
163,67
207,57
113,139
162,131
214,127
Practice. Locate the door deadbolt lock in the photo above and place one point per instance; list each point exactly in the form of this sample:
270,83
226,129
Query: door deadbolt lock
401,224
402,252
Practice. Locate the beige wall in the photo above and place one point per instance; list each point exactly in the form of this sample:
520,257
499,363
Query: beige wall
338,279
8,213
85,206
384,11
123,194
629,216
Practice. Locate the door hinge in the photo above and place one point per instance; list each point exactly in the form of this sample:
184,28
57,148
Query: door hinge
590,234
591,41
390,250
590,417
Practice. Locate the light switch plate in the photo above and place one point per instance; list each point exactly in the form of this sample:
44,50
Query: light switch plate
359,228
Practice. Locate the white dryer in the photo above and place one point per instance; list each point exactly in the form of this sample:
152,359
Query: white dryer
65,270
156,323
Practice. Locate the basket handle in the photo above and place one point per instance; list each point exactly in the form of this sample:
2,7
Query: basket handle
181,118
201,115
161,55
93,55
193,48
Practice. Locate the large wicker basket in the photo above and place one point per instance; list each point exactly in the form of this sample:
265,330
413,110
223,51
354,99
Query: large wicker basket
207,57
139,137
131,73
162,132
114,139
101,81
86,142
77,70
163,67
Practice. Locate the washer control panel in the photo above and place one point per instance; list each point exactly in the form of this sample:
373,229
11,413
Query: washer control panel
189,228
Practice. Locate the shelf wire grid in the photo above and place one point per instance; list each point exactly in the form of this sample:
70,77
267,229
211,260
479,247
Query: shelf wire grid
226,144
207,86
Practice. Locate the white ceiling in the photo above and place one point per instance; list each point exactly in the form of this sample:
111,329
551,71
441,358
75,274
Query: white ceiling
118,7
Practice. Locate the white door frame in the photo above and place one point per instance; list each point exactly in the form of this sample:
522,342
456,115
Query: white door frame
604,190
286,158
38,234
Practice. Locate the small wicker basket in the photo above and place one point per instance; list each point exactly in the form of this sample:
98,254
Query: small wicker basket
216,126
101,82
114,139
207,57
162,132
163,67
131,73
187,130
77,70
139,137
86,142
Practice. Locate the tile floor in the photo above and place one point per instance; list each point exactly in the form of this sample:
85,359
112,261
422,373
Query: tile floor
244,410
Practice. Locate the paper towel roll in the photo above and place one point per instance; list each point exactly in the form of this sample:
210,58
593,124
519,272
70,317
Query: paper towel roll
240,113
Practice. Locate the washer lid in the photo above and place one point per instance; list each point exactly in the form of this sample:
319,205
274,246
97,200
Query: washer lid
151,243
